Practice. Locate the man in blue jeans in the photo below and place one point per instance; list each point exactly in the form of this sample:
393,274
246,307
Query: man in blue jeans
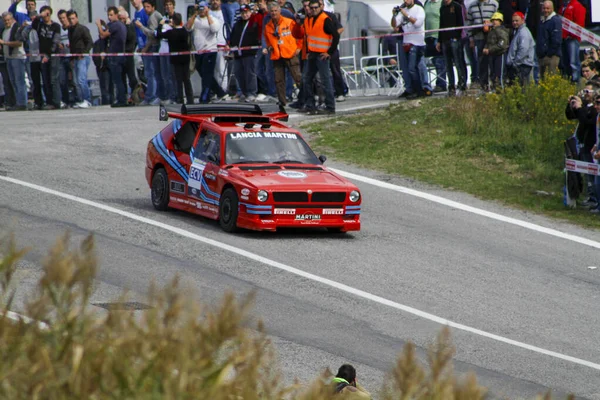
151,62
14,54
80,42
450,44
117,32
411,18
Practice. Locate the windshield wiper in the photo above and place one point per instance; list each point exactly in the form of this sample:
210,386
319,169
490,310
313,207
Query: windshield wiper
289,162
251,162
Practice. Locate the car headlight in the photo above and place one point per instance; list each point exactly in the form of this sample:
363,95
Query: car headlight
262,195
354,196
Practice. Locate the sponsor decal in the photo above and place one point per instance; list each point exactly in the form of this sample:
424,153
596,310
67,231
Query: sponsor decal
195,179
255,135
284,211
245,191
209,208
245,198
308,217
333,211
223,173
292,174
267,221
211,176
177,187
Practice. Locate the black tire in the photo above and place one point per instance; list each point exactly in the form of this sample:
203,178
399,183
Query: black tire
228,210
160,190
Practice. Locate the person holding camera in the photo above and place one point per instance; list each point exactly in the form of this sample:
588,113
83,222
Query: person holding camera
205,29
411,17
346,386
581,108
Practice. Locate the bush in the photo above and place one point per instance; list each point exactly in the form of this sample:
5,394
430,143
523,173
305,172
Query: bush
178,349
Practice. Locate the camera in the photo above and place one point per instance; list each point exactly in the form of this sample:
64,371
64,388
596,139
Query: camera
300,15
396,10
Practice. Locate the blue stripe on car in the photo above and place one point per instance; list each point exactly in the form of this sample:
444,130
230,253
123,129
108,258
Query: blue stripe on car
173,162
208,191
256,206
350,212
352,207
258,212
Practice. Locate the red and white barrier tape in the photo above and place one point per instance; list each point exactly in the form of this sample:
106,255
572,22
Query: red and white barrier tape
569,26
582,167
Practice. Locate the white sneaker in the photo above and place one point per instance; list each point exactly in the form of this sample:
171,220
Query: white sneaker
251,99
224,98
84,104
156,102
76,105
340,98
260,97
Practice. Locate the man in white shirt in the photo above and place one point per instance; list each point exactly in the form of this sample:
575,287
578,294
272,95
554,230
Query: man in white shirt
205,29
411,17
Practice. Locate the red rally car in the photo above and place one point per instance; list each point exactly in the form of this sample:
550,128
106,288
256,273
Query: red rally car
239,164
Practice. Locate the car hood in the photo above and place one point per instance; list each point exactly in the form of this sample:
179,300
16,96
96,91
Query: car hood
291,179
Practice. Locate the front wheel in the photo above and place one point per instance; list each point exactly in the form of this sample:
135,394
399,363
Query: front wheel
228,210
160,190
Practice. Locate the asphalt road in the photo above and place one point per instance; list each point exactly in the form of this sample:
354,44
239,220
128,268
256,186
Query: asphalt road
518,283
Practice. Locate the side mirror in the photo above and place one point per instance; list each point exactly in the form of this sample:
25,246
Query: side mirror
323,158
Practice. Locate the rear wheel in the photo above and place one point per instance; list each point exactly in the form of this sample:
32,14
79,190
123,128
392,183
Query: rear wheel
160,190
228,210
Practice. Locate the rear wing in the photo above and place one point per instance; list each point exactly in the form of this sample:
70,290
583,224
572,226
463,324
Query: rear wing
274,111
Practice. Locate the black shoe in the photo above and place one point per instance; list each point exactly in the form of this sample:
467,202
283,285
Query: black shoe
305,110
404,95
119,105
412,96
295,105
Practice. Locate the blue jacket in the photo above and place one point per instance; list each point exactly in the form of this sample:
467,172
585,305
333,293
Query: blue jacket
549,37
20,17
141,36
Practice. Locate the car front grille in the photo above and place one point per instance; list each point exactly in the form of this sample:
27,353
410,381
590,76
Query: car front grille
303,197
290,197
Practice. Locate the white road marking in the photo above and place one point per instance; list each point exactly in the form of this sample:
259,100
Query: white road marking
464,207
328,282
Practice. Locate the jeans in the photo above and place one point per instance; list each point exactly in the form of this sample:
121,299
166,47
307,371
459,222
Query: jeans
403,57
65,69
51,76
571,65
167,77
9,92
472,60
229,10
151,70
314,65
261,73
454,56
438,60
81,73
415,56
116,65
246,75
205,65
16,73
423,73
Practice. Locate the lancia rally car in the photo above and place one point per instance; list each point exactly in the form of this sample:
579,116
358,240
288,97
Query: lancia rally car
240,165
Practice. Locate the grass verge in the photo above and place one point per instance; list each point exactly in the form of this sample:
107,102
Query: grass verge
506,147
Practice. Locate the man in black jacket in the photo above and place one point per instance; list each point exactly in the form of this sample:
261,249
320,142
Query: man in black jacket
450,44
8,99
81,42
49,36
116,32
178,42
130,43
245,33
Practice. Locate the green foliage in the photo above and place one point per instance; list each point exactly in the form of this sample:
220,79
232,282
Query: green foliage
506,146
178,349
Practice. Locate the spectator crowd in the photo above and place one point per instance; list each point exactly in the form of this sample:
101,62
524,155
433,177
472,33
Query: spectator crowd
504,41
241,50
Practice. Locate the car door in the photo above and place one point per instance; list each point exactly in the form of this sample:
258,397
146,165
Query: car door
202,181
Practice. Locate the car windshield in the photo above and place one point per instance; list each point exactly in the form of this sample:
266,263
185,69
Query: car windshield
267,147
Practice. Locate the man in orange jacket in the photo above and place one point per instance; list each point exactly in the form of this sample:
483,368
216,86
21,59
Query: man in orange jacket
284,50
322,39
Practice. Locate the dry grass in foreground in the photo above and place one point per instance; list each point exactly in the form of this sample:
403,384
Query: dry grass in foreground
178,349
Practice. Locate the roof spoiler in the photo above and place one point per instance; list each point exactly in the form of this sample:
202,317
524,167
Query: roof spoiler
274,111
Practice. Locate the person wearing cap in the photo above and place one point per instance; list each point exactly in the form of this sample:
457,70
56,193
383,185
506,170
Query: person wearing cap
496,46
521,53
450,44
574,11
478,12
549,39
245,33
